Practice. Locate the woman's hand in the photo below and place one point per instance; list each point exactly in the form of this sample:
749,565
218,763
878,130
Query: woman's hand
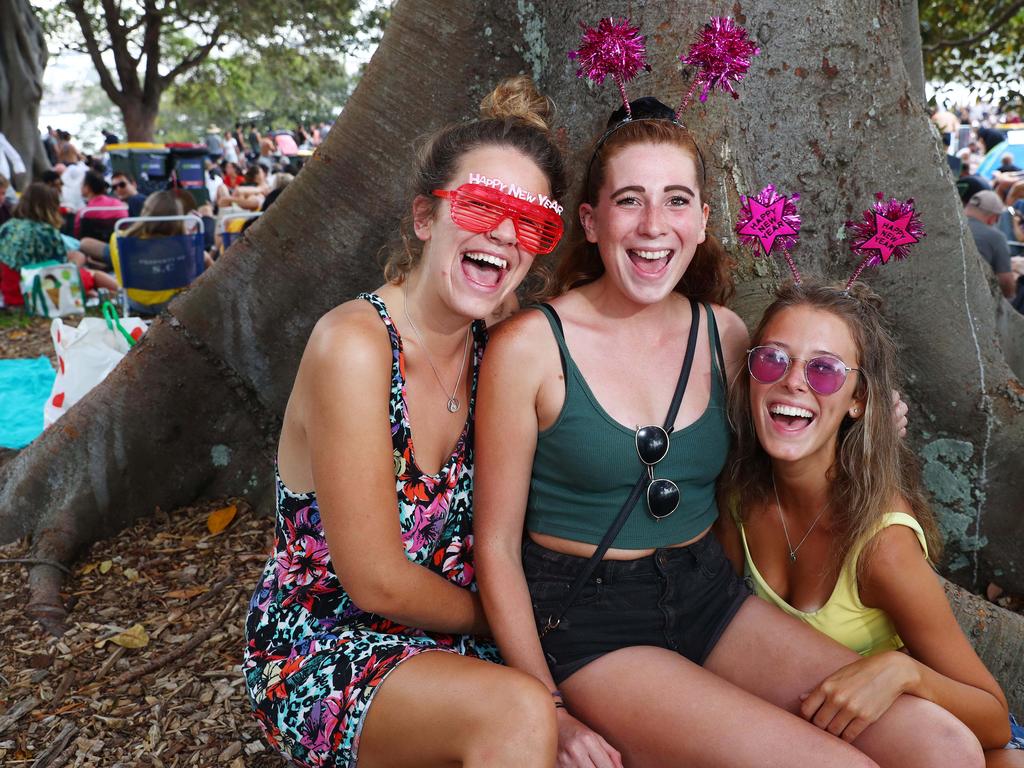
855,696
580,747
899,413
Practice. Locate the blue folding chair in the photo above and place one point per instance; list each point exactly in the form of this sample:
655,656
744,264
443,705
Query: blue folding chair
152,270
232,230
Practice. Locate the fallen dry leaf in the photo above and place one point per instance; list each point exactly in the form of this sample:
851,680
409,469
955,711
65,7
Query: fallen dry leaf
185,594
219,519
105,566
133,637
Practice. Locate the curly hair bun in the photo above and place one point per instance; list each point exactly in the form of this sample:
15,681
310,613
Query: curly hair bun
864,293
517,98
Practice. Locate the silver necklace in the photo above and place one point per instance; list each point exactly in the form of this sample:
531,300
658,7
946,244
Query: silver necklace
778,505
453,401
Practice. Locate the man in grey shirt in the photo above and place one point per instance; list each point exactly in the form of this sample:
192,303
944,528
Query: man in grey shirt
983,211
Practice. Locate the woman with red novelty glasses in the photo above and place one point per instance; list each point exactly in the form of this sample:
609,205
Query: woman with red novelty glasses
601,432
366,638
832,524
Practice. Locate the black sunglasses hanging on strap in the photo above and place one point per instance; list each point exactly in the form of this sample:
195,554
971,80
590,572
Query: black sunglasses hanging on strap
634,495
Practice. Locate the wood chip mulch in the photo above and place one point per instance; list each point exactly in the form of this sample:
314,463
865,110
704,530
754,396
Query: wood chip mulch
90,698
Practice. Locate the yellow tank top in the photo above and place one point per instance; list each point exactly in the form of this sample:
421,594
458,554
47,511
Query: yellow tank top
843,617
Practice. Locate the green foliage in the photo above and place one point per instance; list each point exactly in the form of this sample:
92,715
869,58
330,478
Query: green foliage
277,87
259,57
977,44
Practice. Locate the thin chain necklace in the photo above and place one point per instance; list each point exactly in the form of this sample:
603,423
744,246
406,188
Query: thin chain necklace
778,505
453,401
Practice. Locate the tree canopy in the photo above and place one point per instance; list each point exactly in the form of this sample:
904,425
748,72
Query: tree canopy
975,44
140,48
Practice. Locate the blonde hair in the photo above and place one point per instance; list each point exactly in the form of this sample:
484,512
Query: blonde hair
514,115
164,203
873,466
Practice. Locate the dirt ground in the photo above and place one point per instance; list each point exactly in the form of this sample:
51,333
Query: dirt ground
167,585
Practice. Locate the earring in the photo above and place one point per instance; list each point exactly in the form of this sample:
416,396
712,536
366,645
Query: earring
855,411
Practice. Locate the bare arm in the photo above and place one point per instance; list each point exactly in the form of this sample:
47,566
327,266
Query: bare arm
942,667
506,439
348,360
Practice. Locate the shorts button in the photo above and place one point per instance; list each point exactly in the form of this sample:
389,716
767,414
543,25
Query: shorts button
599,580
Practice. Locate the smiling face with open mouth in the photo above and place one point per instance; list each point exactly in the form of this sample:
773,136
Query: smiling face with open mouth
793,421
478,269
648,219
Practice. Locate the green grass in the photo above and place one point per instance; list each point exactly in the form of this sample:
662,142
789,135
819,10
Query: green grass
14,318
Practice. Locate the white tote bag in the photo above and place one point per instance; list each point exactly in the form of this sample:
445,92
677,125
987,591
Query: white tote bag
86,354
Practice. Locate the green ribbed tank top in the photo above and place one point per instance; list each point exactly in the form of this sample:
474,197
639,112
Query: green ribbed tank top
586,464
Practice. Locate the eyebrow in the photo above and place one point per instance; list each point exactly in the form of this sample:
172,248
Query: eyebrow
785,346
641,189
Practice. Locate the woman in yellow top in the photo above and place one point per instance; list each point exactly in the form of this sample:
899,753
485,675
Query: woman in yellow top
832,524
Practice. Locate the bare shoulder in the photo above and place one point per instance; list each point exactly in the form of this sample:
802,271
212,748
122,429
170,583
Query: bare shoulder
350,336
894,564
522,336
731,327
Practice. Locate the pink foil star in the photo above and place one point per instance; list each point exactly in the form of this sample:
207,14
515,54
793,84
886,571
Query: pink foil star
770,219
885,232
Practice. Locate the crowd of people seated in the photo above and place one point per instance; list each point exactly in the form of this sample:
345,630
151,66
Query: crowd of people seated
70,211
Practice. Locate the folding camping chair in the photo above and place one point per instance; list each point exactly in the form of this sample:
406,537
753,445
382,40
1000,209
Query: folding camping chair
152,270
232,226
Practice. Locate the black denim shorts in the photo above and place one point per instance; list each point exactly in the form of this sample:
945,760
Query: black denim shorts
681,599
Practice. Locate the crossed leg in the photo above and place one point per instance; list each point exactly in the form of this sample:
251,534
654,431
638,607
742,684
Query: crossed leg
442,709
657,708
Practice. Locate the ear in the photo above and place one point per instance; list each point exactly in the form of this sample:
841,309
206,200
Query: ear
704,211
422,217
857,408
587,220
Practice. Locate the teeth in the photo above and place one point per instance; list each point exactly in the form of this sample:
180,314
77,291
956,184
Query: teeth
652,255
487,258
791,410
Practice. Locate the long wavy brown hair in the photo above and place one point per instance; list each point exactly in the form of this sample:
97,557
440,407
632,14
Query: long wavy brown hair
709,275
873,466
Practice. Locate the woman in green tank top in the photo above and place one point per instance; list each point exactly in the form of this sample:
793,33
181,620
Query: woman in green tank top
662,659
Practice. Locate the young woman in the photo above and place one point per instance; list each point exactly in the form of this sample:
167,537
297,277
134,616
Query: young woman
32,236
833,526
661,659
363,634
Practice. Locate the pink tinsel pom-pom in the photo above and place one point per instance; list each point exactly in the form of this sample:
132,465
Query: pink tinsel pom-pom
721,55
613,48
886,231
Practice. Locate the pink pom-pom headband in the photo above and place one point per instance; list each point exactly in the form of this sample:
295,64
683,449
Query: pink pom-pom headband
720,56
885,232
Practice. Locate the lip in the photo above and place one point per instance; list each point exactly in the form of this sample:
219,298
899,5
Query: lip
510,262
648,249
782,428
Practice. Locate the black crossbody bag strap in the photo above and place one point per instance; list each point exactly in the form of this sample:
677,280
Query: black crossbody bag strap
588,568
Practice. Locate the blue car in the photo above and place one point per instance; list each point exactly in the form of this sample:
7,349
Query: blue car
1015,146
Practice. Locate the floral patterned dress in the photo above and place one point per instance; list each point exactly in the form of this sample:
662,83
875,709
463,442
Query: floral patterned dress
313,658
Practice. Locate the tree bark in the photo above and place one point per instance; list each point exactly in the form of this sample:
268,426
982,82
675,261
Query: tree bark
23,57
826,110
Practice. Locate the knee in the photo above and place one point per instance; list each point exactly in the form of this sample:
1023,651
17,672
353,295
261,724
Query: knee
528,703
944,741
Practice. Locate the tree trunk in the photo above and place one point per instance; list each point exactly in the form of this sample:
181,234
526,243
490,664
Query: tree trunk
139,117
826,110
23,57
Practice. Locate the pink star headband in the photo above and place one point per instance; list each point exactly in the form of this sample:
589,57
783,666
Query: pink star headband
885,233
721,57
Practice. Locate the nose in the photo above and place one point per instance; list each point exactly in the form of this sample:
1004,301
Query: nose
652,222
504,232
795,380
